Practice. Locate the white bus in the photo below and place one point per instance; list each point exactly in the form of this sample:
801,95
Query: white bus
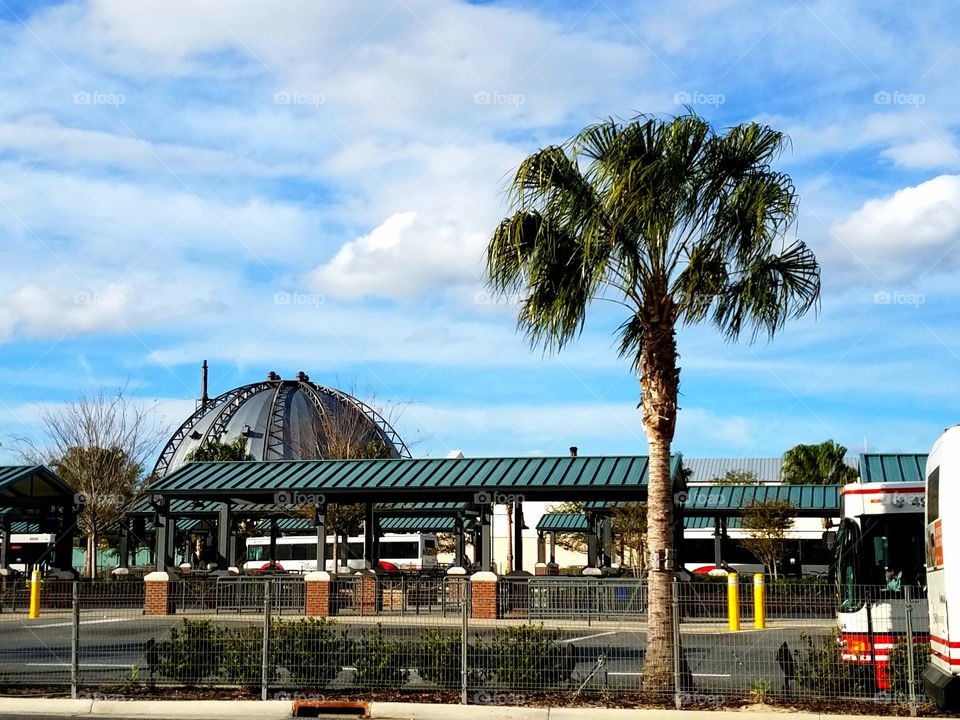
298,553
879,552
941,678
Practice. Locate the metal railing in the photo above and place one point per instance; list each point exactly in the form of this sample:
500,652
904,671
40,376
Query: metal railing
572,635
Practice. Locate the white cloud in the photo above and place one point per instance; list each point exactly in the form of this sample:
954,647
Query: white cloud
403,256
909,232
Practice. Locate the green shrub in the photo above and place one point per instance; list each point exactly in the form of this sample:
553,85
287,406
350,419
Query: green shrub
530,656
381,662
439,657
899,668
243,655
821,669
191,655
313,650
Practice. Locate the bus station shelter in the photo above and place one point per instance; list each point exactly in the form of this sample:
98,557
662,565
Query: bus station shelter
275,486
33,497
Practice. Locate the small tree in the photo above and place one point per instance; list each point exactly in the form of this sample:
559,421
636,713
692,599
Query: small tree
817,465
215,451
737,477
630,529
99,444
766,524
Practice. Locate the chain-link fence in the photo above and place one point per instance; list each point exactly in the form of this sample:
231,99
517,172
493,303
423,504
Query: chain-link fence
793,641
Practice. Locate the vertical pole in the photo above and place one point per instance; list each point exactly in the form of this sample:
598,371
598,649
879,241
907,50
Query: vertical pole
553,548
75,642
160,543
368,534
911,683
5,545
124,544
759,609
460,549
464,627
675,609
733,601
265,652
518,537
486,542
34,594
224,537
873,648
321,523
274,532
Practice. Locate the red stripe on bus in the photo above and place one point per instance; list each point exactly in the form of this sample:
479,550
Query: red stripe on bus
872,491
945,643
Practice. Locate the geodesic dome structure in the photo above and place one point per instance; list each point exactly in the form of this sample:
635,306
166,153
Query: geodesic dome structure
281,420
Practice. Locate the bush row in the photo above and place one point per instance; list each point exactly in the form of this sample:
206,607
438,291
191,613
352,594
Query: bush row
312,652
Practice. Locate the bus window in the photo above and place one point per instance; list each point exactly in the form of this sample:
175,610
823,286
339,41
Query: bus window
305,551
403,550
255,552
355,551
848,537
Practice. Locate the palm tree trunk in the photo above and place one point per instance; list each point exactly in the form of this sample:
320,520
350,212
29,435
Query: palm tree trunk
659,383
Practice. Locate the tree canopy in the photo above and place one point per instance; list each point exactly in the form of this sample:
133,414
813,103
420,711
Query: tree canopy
821,464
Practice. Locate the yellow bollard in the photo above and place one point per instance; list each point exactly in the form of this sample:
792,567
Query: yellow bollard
733,601
759,609
35,595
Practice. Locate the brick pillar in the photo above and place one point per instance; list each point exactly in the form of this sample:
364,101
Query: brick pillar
483,587
365,592
540,569
157,596
317,594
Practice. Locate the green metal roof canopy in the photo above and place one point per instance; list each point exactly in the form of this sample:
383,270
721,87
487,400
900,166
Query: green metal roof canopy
563,522
446,479
730,500
31,486
906,468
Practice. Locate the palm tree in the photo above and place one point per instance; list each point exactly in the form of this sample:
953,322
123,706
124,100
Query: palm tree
821,464
216,451
677,224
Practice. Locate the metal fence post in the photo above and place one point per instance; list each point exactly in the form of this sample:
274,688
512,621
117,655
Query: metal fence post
265,659
465,606
75,642
911,683
675,610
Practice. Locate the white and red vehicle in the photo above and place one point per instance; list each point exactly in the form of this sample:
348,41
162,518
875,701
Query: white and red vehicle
941,679
298,553
879,559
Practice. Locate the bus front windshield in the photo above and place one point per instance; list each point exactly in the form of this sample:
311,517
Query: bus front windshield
885,552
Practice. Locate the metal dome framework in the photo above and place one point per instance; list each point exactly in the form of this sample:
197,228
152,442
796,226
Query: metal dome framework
226,406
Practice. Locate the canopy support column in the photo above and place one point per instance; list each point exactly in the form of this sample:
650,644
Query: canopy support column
123,545
320,521
460,550
541,547
369,535
274,534
518,537
224,536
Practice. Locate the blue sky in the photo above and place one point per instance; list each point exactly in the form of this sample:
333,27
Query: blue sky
303,185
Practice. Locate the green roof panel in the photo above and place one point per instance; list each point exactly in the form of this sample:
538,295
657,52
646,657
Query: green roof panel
905,468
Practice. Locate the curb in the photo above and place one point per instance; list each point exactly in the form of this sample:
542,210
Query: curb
283,709
415,711
181,709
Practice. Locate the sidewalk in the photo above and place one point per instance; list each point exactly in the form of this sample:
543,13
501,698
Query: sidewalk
281,709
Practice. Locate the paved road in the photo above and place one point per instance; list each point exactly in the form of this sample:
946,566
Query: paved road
607,654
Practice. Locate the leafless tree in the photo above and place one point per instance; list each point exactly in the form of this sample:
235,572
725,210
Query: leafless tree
100,444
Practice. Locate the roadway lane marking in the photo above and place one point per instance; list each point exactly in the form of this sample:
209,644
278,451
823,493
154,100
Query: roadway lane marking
82,622
715,675
589,637
66,664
